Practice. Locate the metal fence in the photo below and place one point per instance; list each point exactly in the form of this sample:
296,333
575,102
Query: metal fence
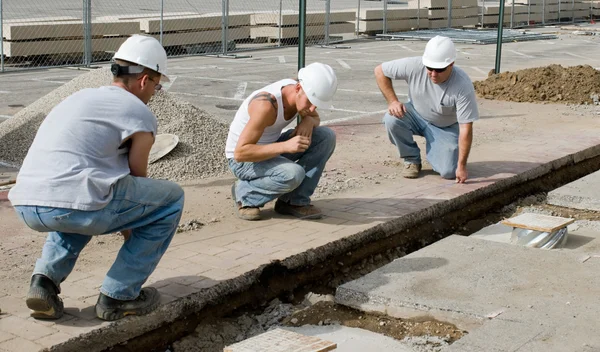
44,33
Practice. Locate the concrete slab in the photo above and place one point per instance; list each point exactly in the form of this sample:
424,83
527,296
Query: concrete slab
352,339
525,292
581,194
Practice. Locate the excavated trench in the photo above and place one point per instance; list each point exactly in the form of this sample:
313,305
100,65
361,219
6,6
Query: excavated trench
353,257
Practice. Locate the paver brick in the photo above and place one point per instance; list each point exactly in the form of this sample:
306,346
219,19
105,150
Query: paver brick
206,283
24,328
181,253
15,306
201,247
54,339
77,326
279,340
4,336
74,290
20,344
170,262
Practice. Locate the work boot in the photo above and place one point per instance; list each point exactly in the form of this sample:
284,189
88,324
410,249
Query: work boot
244,213
108,308
411,170
43,299
299,211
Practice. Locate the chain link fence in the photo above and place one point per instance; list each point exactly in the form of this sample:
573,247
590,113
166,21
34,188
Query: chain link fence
44,33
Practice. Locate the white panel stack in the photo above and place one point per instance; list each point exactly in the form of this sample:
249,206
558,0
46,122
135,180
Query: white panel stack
196,29
491,12
464,12
32,37
266,26
397,20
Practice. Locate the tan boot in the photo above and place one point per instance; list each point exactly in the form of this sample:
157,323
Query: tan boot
411,170
299,211
244,213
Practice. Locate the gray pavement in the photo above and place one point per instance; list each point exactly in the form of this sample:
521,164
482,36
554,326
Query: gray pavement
509,298
581,194
219,85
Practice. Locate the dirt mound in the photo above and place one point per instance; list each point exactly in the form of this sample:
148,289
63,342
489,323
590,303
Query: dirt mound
199,154
554,83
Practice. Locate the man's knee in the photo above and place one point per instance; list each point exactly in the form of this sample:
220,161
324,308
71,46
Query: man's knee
392,123
174,192
449,173
290,176
326,136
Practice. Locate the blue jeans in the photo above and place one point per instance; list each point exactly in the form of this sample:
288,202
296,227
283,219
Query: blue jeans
292,178
150,208
441,143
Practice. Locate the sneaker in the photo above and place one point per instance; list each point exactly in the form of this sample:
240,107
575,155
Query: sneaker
43,299
244,213
411,170
108,308
299,211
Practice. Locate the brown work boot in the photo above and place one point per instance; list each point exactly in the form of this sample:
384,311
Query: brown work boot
244,213
411,170
299,211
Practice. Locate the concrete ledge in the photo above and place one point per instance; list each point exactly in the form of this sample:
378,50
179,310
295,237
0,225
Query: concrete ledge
581,194
410,232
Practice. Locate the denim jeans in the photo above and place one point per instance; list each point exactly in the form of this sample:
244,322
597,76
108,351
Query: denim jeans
441,143
150,208
292,178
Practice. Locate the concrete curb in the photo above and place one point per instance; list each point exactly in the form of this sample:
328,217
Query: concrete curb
393,231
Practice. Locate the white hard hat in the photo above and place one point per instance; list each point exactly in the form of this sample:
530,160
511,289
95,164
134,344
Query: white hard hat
144,51
319,82
439,52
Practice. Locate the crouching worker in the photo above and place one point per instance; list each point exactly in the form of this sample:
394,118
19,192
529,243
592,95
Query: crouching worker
85,175
285,166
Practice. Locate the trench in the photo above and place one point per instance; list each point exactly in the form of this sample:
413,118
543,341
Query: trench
374,248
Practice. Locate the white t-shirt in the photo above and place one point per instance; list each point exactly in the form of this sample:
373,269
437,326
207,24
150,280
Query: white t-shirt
440,104
77,154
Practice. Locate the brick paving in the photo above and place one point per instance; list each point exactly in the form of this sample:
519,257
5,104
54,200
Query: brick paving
200,259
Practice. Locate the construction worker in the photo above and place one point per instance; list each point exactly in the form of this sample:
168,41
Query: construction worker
285,166
85,175
441,107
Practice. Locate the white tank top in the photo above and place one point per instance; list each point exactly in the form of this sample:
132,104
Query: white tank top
271,133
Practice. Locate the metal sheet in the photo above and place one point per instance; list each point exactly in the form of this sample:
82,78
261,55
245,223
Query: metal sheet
469,35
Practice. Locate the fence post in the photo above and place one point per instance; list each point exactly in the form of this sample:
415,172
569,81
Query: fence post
1,38
327,20
544,12
358,19
419,14
482,13
162,10
573,9
512,14
499,37
224,26
87,32
280,22
384,16
450,13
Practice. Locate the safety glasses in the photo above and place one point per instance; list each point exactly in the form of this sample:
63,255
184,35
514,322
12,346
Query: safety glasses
438,70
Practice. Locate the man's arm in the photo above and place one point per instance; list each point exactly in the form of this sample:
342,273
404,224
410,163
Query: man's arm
465,139
386,87
263,113
307,123
141,143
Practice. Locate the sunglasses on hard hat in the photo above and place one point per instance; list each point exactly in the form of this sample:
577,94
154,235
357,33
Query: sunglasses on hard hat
438,70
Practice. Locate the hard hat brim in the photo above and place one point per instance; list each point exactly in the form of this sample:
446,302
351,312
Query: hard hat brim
320,104
164,78
435,64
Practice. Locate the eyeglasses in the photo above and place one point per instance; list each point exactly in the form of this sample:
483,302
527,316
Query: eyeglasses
157,86
438,70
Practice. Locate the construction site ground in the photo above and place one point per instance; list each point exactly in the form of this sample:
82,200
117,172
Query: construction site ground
360,190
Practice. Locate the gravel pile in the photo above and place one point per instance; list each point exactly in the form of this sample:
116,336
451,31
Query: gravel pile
199,154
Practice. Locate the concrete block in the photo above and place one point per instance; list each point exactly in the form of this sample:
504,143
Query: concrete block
292,32
65,29
377,14
442,4
456,13
196,23
517,18
538,222
393,25
279,340
456,22
209,36
54,47
581,194
130,16
462,279
290,18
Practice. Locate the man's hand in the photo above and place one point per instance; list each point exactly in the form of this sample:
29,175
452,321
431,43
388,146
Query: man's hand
297,144
397,109
461,174
304,129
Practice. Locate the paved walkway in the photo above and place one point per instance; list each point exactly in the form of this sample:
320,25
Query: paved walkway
227,249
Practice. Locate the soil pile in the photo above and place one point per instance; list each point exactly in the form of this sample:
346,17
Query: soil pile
554,83
199,154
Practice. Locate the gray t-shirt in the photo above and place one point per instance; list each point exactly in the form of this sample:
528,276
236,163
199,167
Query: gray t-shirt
441,104
78,152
